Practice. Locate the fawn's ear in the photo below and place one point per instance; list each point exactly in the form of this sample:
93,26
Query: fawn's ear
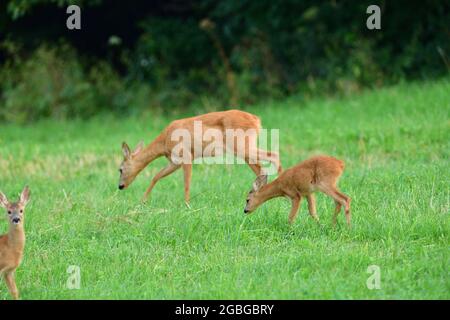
126,150
25,196
259,182
139,148
3,200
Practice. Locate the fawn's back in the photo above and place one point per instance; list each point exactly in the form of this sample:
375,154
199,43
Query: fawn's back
308,175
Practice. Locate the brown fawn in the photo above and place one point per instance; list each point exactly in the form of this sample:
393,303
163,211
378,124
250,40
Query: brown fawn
319,173
165,145
13,243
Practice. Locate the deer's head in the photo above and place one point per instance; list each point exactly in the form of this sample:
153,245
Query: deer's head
15,210
130,167
253,199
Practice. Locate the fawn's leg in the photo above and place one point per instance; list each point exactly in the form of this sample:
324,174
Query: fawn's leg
312,206
11,283
348,215
341,198
347,200
187,168
294,209
346,206
337,210
161,174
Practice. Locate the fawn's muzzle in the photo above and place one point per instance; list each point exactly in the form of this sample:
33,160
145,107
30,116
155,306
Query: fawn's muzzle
246,211
121,186
16,220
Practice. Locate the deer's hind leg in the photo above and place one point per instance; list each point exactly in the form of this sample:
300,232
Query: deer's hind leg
312,206
256,167
341,199
337,210
271,157
254,156
347,200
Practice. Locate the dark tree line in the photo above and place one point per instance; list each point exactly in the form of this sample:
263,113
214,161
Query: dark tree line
226,51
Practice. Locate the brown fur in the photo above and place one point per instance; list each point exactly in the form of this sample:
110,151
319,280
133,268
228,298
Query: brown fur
135,162
12,244
319,173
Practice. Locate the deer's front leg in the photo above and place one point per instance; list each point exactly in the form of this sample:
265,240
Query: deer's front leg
187,168
11,283
294,210
163,173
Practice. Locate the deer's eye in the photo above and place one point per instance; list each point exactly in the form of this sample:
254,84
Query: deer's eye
120,170
9,212
21,211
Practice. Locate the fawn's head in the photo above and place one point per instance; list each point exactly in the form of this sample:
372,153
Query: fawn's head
129,168
15,210
253,200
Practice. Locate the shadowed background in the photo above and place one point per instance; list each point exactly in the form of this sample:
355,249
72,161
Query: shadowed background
207,55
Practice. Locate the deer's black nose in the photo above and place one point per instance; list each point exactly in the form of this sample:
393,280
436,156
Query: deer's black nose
121,186
245,211
16,220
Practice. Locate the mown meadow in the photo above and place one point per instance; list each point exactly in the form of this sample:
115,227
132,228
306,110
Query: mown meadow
395,142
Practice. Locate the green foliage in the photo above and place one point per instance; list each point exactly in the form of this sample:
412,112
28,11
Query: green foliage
395,143
53,83
278,48
170,57
18,8
217,54
44,86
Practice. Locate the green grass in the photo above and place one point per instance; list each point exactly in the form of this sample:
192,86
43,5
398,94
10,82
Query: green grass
395,143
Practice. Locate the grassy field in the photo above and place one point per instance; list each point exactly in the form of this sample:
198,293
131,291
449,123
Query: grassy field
395,143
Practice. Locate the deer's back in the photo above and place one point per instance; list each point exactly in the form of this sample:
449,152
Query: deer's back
326,169
305,176
231,119
221,121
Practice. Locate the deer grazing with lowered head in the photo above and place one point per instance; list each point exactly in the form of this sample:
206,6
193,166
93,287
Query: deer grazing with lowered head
13,243
180,143
319,173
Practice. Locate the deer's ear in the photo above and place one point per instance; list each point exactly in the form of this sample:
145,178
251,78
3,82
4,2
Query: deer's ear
25,196
3,200
139,148
259,182
126,150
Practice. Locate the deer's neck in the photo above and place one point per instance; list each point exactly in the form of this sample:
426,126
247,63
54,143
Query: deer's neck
153,151
270,191
16,237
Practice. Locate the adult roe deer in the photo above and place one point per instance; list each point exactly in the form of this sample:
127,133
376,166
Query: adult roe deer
13,243
166,143
319,173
